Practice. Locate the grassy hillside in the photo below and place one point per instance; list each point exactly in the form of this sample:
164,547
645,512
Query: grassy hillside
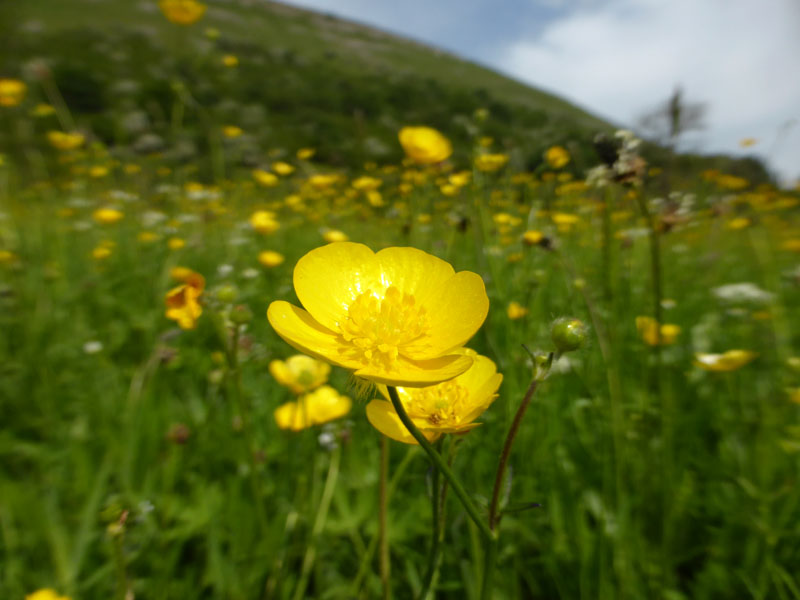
142,84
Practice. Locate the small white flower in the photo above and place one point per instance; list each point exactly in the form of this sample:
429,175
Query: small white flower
92,347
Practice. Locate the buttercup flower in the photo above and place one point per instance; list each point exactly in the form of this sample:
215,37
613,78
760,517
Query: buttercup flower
727,361
489,163
318,407
392,317
182,12
334,235
556,157
107,216
12,92
182,301
515,310
300,373
654,334
65,141
425,145
449,407
45,594
270,258
263,221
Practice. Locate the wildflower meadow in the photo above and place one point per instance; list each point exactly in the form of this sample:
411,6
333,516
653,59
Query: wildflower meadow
406,349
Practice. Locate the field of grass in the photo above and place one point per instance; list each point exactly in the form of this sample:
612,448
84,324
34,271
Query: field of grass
142,459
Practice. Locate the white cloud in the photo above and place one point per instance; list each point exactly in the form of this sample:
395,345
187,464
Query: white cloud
619,58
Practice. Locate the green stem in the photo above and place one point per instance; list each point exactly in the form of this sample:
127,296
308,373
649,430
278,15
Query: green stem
494,516
436,531
489,560
440,464
319,523
383,499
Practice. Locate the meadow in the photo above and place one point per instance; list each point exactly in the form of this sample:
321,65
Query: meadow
142,456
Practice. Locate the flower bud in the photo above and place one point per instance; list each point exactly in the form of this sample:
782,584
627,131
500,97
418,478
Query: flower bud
568,334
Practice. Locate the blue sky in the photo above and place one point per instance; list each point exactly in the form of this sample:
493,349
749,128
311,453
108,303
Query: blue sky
621,58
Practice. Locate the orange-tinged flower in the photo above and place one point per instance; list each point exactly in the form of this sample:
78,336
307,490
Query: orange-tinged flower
12,92
425,145
182,12
393,317
65,141
182,301
315,408
449,407
300,373
727,361
556,157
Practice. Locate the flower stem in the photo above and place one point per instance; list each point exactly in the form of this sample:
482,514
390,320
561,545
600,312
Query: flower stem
383,498
494,516
440,464
437,529
319,523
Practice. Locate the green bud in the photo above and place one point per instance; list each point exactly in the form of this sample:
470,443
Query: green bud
568,334
241,314
227,293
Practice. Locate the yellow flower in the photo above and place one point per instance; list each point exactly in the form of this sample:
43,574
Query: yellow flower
449,407
107,216
265,178
727,361
320,406
263,221
103,250
392,317
653,334
182,301
231,131
738,223
532,237
65,141
230,60
300,373
282,168
365,183
270,258
182,12
425,145
175,243
45,594
489,163
334,235
305,153
792,245
7,257
556,157
12,92
515,310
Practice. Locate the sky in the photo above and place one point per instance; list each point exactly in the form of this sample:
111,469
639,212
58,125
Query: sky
620,59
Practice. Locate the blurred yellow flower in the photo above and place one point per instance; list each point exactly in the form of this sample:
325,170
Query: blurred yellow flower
263,221
230,60
489,163
727,361
98,171
794,395
515,310
305,153
392,317
107,216
532,237
175,243
42,110
334,235
315,408
365,183
7,257
182,302
46,594
12,92
270,258
265,178
747,142
792,245
65,141
425,145
282,168
231,131
182,12
556,157
738,223
300,373
653,334
449,407
103,250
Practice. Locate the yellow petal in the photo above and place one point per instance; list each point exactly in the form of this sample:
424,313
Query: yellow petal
420,373
329,278
301,331
382,416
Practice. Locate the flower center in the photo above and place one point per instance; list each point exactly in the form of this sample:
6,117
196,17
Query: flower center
377,328
442,405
